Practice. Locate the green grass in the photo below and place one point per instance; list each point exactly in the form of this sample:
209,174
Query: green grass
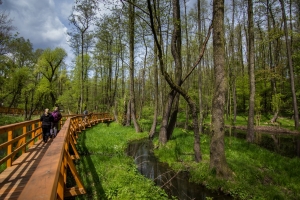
258,173
10,119
242,120
106,171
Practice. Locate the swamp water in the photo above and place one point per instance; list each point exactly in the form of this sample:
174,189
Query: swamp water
287,145
175,184
178,185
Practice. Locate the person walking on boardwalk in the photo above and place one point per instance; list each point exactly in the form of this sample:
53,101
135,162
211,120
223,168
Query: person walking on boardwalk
46,120
85,114
56,118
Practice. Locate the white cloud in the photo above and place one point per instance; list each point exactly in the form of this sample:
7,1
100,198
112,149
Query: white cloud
43,22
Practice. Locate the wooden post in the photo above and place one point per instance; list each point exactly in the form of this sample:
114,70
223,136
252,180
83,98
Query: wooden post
9,148
24,139
32,134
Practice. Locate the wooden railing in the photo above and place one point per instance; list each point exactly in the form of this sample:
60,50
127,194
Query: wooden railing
45,183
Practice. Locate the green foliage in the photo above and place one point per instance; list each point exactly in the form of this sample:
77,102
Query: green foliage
258,173
241,120
148,112
49,65
71,94
112,174
9,119
242,90
276,102
145,125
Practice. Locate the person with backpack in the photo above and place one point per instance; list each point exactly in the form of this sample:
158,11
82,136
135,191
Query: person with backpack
56,118
46,119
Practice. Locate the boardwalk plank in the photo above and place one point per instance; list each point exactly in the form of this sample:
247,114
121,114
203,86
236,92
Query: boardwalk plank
14,179
44,179
35,174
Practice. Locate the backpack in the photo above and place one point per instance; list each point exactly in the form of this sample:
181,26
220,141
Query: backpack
56,116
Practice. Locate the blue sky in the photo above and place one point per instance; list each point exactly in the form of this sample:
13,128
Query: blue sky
44,22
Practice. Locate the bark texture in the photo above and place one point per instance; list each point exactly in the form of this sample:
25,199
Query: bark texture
217,146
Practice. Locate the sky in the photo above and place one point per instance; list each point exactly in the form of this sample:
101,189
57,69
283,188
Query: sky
44,22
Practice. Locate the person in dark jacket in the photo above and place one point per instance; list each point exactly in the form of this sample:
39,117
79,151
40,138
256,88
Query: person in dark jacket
56,118
46,120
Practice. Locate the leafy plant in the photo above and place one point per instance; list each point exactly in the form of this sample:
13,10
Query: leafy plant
258,173
112,174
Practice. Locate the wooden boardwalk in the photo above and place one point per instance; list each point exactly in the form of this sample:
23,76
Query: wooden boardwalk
40,173
14,178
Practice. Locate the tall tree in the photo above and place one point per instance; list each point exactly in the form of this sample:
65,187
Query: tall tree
290,63
176,88
200,85
176,43
218,161
155,79
250,126
131,29
82,16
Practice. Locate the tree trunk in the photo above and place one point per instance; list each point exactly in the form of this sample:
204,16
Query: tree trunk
250,126
289,56
131,47
173,100
274,119
233,64
163,132
176,53
200,40
174,86
82,74
188,60
128,113
217,145
154,123
173,117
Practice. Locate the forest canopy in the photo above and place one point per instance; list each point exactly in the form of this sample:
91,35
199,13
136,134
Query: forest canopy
117,60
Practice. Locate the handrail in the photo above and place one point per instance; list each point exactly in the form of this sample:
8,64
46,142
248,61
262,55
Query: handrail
33,129
59,152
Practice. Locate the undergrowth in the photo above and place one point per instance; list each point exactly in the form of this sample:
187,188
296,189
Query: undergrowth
106,171
258,173
10,119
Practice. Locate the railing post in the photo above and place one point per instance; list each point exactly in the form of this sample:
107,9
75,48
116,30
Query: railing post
32,134
9,148
24,139
41,130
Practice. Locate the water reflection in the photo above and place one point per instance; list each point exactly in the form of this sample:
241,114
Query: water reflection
175,184
284,144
